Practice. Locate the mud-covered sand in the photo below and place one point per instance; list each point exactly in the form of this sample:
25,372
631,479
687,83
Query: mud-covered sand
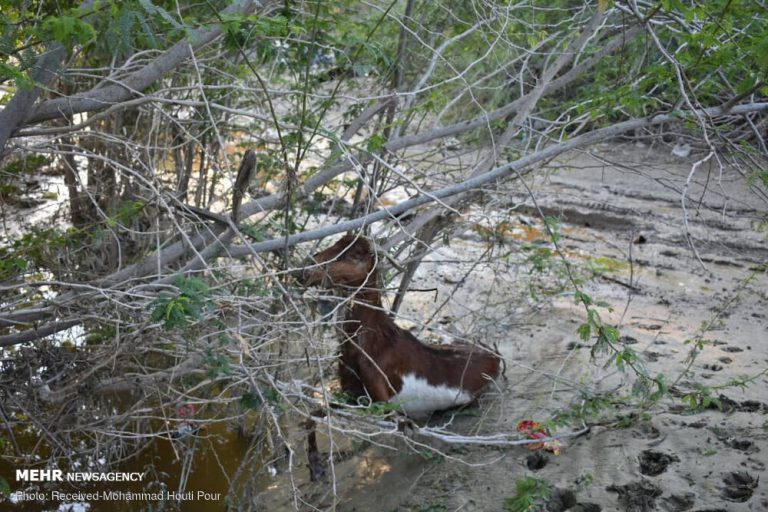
668,458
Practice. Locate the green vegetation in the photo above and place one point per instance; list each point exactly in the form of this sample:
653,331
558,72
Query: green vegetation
129,290
531,494
182,309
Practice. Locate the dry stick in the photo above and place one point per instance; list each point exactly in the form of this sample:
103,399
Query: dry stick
499,439
387,119
216,235
141,100
514,106
178,249
523,107
37,333
425,227
479,261
683,82
632,287
424,237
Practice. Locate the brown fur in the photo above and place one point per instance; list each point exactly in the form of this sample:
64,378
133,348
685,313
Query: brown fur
375,352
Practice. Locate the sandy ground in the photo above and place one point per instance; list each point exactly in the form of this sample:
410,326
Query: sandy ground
668,458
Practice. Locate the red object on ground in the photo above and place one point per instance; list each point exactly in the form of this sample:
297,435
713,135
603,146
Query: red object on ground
535,430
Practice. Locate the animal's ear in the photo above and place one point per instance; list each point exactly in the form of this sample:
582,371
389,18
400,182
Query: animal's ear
357,248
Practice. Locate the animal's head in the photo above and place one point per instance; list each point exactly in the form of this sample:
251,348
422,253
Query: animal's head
348,262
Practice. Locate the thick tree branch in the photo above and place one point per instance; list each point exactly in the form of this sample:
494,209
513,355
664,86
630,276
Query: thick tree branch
506,170
17,110
133,84
503,171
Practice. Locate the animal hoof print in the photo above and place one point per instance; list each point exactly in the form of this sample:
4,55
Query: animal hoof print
536,461
654,463
740,486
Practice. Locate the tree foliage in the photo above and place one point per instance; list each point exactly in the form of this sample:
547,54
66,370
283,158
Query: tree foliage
152,104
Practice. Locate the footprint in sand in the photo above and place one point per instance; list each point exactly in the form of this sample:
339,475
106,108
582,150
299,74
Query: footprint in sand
637,496
740,486
565,500
678,502
646,431
653,463
536,461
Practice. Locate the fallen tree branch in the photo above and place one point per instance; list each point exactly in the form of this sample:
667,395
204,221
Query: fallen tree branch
271,202
503,171
37,333
586,139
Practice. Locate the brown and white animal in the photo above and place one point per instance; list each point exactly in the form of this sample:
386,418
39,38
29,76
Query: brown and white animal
385,363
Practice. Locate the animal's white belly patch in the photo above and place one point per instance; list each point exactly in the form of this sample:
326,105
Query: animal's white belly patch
418,396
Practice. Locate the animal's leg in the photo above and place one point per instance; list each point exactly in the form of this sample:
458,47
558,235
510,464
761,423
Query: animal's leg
350,382
315,460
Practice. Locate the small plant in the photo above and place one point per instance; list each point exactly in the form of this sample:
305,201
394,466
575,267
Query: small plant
531,495
248,287
379,409
431,455
250,400
217,365
188,305
702,398
28,165
100,335
584,481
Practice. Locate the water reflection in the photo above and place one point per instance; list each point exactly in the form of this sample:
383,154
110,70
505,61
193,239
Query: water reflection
209,463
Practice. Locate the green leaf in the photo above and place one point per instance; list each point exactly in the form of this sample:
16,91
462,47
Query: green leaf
583,298
21,79
611,333
272,395
593,319
180,310
153,9
375,143
585,332
531,494
67,30
217,365
250,400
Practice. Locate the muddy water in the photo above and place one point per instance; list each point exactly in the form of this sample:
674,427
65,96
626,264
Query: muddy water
211,460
